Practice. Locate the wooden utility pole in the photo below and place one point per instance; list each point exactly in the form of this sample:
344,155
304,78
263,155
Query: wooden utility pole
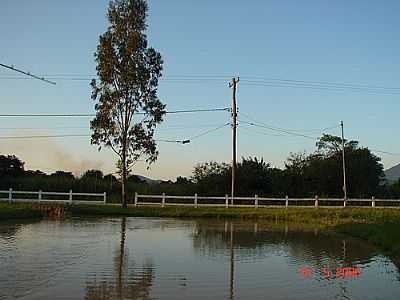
233,85
344,166
232,273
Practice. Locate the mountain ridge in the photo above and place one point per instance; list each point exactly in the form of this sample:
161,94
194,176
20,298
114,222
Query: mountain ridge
393,174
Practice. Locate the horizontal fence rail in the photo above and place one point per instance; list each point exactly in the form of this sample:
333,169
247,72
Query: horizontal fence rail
255,202
195,200
53,197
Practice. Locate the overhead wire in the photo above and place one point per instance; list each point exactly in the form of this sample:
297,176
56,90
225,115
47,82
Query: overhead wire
42,136
208,131
92,115
285,130
184,141
253,79
259,132
316,87
250,80
168,128
337,84
70,135
27,73
291,132
279,130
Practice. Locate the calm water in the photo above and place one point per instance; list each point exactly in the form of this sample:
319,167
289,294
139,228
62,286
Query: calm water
139,258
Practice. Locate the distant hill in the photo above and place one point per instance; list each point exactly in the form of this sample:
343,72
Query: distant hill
393,174
148,180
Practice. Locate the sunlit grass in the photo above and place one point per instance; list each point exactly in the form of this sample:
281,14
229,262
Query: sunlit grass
304,215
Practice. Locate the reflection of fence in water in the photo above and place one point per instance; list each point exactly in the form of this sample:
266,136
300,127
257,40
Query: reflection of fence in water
255,202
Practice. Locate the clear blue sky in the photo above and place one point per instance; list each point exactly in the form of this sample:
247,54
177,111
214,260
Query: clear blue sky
334,41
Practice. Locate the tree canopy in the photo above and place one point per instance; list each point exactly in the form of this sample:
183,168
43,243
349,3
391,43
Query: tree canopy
127,106
10,165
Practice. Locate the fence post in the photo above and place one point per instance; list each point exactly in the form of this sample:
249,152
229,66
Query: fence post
256,201
316,201
10,195
195,200
105,198
40,195
373,201
163,200
226,201
136,198
70,196
344,202
287,201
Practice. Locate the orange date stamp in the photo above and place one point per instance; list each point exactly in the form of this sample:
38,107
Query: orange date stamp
338,273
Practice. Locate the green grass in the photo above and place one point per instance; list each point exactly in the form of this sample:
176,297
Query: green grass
385,235
303,215
19,211
327,216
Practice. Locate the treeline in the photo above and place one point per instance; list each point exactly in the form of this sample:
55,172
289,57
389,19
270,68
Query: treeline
304,175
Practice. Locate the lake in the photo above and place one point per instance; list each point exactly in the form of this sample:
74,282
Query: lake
151,258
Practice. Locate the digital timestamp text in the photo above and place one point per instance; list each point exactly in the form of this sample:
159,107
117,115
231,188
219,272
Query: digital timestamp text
338,273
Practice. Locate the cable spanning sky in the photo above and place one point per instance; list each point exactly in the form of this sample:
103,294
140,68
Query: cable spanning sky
302,66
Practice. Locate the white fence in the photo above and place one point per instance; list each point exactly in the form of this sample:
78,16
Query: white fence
51,197
255,202
195,200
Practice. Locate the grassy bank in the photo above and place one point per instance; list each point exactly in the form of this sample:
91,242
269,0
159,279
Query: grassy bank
386,235
20,211
303,215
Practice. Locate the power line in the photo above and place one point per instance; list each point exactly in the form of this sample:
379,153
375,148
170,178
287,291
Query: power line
91,76
288,131
280,130
329,128
27,73
285,130
92,115
337,84
198,110
169,128
42,136
208,131
73,135
185,127
321,87
264,133
42,128
260,132
173,141
250,80
45,115
184,141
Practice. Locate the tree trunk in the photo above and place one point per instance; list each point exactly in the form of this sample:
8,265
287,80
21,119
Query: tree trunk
123,195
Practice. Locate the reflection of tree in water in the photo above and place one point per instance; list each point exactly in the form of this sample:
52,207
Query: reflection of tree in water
128,282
